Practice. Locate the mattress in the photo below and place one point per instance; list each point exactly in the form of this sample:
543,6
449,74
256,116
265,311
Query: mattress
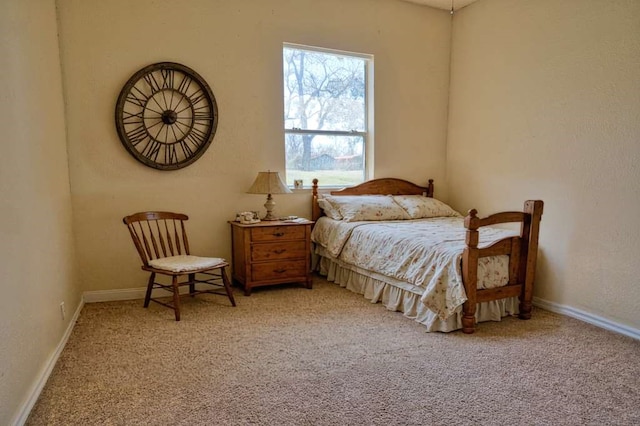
420,260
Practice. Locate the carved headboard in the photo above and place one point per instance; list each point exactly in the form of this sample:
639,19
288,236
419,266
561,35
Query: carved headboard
382,186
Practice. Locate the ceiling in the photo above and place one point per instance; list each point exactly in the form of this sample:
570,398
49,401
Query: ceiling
443,4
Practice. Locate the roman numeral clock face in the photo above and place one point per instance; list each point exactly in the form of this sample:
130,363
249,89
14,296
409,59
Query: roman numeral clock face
166,116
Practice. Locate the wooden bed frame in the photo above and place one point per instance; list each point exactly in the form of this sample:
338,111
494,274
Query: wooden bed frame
522,250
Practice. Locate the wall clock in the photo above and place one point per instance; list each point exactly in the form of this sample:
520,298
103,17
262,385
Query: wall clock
166,116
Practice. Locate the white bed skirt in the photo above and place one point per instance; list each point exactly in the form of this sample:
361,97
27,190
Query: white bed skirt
397,296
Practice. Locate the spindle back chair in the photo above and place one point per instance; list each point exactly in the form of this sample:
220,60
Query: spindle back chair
162,244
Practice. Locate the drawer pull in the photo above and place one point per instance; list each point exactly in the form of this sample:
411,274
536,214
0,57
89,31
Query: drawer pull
278,234
280,251
279,271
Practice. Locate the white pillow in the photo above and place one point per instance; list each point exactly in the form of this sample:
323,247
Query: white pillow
418,207
354,208
329,210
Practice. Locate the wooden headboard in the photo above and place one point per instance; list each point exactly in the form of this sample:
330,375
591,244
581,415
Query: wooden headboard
383,186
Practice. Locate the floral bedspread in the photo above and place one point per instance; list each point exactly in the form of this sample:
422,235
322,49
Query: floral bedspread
425,253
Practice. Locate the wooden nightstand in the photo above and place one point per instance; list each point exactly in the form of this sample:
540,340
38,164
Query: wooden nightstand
271,252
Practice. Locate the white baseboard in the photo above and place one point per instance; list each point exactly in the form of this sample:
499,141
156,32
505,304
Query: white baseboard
124,294
113,295
587,317
37,387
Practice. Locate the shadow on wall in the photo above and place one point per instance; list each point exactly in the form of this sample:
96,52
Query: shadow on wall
548,282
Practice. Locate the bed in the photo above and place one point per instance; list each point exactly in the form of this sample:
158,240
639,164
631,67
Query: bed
391,241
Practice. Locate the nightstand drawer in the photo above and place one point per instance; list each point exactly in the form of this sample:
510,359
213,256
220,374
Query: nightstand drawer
277,251
274,233
279,270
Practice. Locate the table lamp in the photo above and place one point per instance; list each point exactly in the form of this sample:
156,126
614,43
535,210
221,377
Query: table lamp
269,183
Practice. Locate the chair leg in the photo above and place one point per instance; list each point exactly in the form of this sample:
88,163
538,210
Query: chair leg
176,296
227,285
192,285
147,296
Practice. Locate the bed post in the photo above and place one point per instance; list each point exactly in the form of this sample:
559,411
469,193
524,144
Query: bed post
470,271
430,189
315,208
529,234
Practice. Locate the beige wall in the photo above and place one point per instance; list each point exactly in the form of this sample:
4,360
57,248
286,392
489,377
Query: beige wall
237,47
36,248
545,100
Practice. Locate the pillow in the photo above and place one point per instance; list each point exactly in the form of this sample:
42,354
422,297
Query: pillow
367,207
329,210
418,207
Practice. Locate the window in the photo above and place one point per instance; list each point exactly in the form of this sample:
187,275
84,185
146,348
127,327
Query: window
327,112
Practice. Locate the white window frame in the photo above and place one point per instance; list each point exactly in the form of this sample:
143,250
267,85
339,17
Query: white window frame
368,133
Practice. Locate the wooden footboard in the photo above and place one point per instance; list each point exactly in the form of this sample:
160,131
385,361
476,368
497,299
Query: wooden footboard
522,252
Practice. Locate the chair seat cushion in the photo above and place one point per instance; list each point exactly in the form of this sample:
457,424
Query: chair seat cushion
185,263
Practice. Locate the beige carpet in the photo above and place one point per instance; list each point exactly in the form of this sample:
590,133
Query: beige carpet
292,356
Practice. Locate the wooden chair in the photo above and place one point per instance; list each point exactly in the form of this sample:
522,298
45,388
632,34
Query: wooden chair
161,241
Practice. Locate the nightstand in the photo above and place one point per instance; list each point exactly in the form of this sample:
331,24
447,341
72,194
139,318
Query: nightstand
271,252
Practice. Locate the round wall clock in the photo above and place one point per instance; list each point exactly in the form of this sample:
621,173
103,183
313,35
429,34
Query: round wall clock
166,116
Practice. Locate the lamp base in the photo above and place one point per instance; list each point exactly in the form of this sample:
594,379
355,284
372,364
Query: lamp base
269,205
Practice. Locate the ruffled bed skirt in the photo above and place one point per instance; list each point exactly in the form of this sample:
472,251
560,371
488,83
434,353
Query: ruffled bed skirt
398,296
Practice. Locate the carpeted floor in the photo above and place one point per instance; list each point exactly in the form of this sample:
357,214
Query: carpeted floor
292,356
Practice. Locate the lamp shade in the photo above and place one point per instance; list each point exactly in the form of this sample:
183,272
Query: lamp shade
268,183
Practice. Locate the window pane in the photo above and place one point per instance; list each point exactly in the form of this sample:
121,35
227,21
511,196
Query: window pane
323,91
333,160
